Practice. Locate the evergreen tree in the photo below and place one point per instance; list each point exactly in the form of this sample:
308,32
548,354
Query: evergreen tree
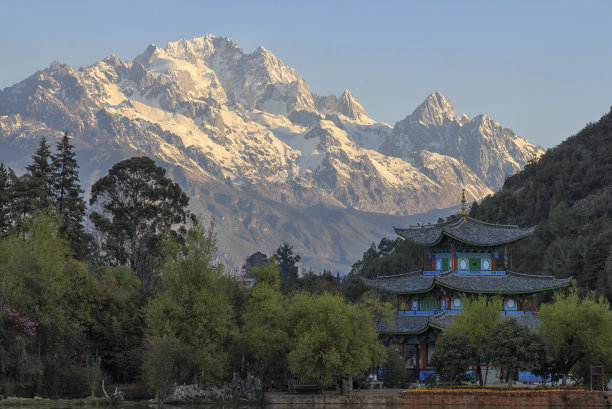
21,196
68,194
5,221
40,172
134,208
288,266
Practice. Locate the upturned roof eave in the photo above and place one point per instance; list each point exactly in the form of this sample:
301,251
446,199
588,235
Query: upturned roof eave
447,234
436,281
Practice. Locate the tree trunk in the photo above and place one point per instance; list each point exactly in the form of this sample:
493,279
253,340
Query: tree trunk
564,379
486,375
510,377
479,374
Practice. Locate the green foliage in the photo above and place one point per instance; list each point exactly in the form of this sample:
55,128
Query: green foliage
68,195
5,220
513,346
117,328
194,305
389,257
577,330
40,172
264,336
167,362
288,266
94,374
567,193
325,282
40,280
38,276
331,339
394,375
453,355
479,316
134,208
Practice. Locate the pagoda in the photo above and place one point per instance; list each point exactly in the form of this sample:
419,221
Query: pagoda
461,256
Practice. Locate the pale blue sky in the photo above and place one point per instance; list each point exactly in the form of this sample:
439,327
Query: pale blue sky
542,68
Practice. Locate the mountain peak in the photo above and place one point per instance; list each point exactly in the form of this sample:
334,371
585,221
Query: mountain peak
435,110
350,106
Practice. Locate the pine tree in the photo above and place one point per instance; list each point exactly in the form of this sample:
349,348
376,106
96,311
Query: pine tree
21,196
67,193
40,172
5,220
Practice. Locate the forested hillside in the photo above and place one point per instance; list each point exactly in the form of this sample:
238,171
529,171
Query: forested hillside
567,194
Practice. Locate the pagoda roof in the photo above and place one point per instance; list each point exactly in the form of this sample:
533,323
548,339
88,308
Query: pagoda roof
466,230
509,283
416,324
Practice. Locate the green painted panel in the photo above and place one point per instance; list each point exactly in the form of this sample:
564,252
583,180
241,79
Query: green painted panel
444,264
474,264
430,304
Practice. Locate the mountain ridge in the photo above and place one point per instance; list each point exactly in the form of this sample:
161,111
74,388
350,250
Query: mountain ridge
214,115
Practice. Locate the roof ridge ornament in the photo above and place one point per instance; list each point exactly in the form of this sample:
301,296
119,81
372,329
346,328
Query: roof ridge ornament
463,213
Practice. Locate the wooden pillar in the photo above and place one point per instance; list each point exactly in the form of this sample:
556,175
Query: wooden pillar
403,356
417,359
424,355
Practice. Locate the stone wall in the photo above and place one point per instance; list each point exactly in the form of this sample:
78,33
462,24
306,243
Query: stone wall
531,399
424,399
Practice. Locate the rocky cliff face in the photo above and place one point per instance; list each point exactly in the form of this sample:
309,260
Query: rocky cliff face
489,150
222,120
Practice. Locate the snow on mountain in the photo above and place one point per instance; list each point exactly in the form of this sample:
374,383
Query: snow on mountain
252,145
489,150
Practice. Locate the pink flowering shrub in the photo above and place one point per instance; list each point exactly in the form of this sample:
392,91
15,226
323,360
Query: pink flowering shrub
19,321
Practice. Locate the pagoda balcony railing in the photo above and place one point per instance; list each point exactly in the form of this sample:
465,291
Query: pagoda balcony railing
509,312
457,311
418,312
466,272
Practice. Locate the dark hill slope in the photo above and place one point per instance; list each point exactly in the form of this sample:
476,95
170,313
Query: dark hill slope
567,193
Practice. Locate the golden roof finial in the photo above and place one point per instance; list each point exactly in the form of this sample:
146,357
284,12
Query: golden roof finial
463,213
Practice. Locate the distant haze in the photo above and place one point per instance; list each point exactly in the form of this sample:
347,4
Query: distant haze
541,68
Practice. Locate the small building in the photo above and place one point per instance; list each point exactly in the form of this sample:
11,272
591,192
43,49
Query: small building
459,256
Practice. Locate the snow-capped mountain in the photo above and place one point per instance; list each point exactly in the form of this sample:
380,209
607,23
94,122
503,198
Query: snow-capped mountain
489,150
256,148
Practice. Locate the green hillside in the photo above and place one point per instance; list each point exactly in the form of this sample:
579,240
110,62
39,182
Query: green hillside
567,194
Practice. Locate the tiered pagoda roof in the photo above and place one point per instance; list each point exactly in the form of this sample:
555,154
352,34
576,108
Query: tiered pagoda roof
466,230
508,283
420,324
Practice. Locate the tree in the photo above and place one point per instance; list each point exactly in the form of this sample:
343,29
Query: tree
476,321
67,193
194,306
40,171
288,266
134,208
331,339
167,361
577,329
257,259
264,335
513,346
5,201
39,279
453,355
117,327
